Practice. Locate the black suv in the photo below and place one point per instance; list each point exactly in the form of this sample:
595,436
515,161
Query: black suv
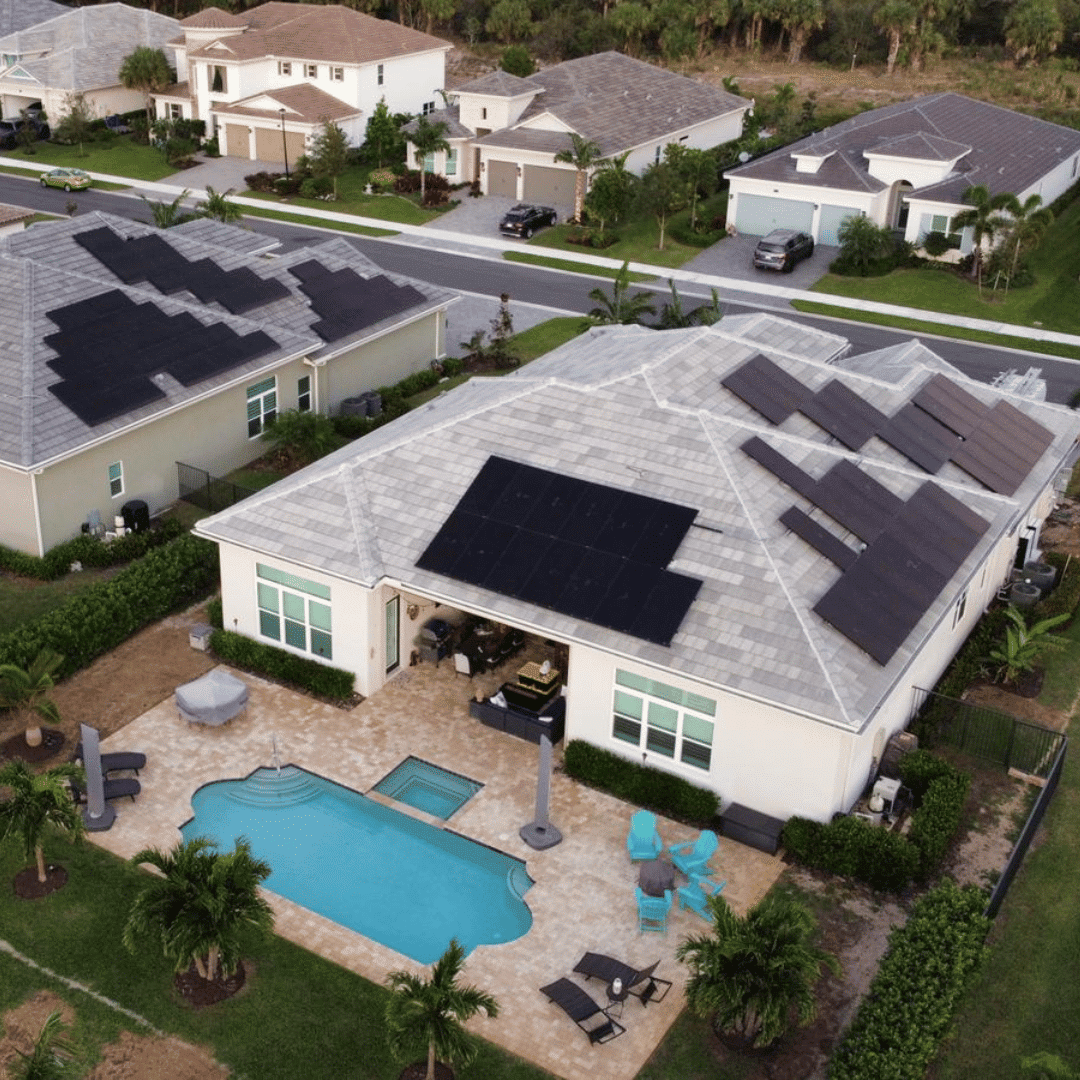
523,220
9,130
782,249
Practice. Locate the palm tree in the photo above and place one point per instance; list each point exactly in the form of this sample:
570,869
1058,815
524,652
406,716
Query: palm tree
622,306
217,205
751,972
431,1011
148,70
427,138
898,19
166,215
200,905
1030,219
44,1061
984,218
583,155
25,690
38,801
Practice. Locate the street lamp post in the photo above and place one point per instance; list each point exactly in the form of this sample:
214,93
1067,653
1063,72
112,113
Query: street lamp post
284,142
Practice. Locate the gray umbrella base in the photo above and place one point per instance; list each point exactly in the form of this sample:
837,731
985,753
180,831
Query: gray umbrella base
102,822
540,837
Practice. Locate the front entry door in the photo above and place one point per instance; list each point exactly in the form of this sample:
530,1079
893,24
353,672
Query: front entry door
393,634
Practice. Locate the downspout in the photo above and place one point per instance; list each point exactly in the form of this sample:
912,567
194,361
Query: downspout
37,510
315,365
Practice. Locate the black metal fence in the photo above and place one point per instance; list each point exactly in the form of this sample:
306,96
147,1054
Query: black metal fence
1016,857
988,734
208,492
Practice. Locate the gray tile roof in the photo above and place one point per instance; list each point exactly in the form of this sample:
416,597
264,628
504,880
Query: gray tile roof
43,268
499,83
1009,151
19,14
644,411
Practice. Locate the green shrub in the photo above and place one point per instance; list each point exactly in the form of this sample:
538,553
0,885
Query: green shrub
936,244
108,613
298,671
934,824
919,769
930,960
639,784
453,365
1066,596
214,613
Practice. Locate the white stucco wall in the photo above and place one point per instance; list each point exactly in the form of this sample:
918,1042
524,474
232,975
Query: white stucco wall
500,112
892,170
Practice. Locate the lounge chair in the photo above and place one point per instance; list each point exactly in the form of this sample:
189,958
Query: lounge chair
692,857
643,841
642,983
122,761
114,789
652,911
581,1009
695,896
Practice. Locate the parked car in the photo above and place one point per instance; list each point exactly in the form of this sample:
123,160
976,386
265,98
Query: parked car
115,124
68,179
782,249
523,220
9,130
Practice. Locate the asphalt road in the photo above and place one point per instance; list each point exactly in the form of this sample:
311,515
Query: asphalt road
492,276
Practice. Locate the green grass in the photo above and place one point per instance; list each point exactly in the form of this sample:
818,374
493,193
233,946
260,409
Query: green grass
23,599
325,223
529,259
1062,668
255,479
118,156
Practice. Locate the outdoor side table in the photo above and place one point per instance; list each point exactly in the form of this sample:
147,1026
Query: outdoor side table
656,876
617,998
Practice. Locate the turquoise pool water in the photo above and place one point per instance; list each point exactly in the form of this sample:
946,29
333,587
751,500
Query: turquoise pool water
427,787
396,880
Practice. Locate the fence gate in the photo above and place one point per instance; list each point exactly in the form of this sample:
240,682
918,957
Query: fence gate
208,492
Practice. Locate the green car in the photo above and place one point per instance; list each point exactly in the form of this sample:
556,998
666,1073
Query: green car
68,179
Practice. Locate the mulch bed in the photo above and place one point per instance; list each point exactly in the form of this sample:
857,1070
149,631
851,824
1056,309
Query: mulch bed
199,992
27,886
418,1071
52,742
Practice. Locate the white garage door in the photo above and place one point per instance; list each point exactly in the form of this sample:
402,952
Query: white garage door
549,186
502,178
236,141
760,214
832,217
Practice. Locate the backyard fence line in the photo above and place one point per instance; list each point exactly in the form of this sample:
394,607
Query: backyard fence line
72,984
1016,856
208,492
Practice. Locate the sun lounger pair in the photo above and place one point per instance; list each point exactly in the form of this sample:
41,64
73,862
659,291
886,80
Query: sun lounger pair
124,761
642,984
114,789
596,1022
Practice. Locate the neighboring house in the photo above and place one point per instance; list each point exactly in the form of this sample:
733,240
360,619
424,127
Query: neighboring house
754,547
126,349
13,219
264,81
505,131
79,51
19,14
904,166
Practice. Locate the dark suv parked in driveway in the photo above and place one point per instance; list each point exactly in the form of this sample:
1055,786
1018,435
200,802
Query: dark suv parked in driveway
782,249
9,130
524,220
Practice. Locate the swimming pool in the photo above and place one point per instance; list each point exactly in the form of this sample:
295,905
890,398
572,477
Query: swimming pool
386,875
428,787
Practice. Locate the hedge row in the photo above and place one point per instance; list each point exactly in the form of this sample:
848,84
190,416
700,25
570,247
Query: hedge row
309,675
885,860
109,612
88,550
912,1000
1066,596
639,784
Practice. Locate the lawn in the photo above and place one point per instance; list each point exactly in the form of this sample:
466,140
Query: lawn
23,599
118,155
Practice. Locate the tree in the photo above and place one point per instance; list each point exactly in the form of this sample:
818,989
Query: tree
753,971
427,138
799,18
517,61
147,70
862,244
897,18
38,802
166,215
583,155
437,11
631,21
611,193
329,152
1033,30
698,170
429,1013
48,1060
1017,652
383,141
984,219
674,316
77,122
200,906
661,193
25,692
1030,220
302,437
218,206
509,21
622,306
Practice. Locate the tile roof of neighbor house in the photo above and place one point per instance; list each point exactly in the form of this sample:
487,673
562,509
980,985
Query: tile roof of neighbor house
645,412
616,102
213,18
499,83
1009,151
10,214
316,32
19,14
45,269
301,102
83,49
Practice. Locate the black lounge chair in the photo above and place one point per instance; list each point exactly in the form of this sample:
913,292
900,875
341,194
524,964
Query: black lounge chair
581,1008
123,761
643,984
114,789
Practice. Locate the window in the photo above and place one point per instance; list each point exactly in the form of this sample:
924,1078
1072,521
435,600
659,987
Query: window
116,479
451,163
261,405
483,113
663,719
379,75
291,610
218,79
303,394
656,156
284,67
428,108
429,162
311,71
176,112
961,606
337,74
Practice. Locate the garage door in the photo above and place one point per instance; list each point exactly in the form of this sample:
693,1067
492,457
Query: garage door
548,186
502,178
760,214
269,147
832,217
236,141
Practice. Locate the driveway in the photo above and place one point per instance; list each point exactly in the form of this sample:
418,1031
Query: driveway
481,216
733,258
221,173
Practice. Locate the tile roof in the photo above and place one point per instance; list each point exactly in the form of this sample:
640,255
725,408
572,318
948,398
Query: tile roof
645,411
499,83
1009,150
19,14
327,32
301,102
10,214
45,268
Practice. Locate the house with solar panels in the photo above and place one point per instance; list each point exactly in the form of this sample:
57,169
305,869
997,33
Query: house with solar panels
125,350
752,546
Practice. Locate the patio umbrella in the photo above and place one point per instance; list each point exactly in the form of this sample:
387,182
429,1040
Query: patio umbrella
97,813
540,833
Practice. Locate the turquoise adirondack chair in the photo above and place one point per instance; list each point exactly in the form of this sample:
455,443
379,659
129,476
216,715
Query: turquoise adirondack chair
643,841
653,911
692,857
695,896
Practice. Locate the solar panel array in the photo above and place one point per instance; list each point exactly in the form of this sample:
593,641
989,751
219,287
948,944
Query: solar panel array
108,347
997,445
582,549
347,302
151,258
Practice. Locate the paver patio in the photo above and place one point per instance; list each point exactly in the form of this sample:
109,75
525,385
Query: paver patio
583,896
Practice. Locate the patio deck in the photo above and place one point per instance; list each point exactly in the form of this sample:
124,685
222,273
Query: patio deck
583,897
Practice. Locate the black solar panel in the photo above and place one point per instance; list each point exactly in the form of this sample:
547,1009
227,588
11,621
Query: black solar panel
1003,449
779,466
585,550
855,500
767,388
919,437
818,537
844,415
953,406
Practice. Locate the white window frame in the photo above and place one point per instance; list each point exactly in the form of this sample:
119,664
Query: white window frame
651,731
261,405
451,162
961,607
337,74
284,67
292,610
115,474
303,394
176,111
380,75
427,108
311,71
